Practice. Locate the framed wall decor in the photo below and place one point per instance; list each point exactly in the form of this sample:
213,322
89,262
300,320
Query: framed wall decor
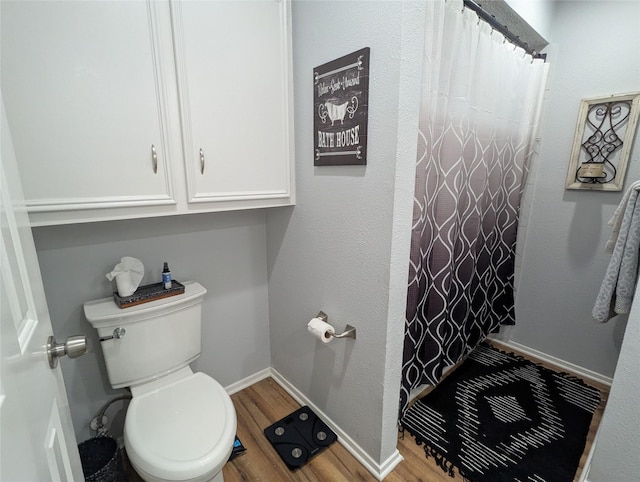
602,143
341,109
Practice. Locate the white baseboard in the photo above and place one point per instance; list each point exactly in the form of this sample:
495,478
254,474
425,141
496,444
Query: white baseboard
248,381
379,471
561,364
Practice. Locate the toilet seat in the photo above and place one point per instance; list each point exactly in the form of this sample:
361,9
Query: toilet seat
183,430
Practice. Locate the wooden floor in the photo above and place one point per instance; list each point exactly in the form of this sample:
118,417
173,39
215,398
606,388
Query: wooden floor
265,402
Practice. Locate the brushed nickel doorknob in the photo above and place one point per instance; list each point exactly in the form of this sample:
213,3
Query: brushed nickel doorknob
74,347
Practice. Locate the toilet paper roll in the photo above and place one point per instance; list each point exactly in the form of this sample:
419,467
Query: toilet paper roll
322,330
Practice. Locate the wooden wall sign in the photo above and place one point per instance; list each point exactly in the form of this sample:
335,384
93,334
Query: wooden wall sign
602,143
341,109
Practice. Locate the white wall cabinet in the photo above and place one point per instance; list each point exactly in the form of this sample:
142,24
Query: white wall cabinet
134,109
79,80
232,64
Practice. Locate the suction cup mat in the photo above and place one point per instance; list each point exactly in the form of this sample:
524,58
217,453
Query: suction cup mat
299,436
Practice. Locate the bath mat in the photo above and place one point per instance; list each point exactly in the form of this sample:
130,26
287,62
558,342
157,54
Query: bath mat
299,436
500,417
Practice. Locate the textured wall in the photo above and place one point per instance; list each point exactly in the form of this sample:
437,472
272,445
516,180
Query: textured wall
225,252
616,454
332,251
537,14
563,260
343,248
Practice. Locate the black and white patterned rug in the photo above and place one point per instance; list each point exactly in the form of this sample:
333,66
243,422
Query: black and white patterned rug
500,417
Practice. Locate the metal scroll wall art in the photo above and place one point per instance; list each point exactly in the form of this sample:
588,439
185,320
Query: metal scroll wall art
602,144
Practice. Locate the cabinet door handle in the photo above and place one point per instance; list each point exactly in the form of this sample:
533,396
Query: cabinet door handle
154,159
201,161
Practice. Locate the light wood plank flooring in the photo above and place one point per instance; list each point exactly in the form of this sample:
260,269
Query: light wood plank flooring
265,402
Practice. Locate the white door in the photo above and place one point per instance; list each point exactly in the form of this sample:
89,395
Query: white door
37,441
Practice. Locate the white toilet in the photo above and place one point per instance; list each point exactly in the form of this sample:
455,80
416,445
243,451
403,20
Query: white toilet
180,425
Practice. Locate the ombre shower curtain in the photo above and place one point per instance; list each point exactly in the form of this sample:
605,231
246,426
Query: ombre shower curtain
481,99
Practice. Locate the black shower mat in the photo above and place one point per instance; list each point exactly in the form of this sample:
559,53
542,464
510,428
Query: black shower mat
299,436
501,418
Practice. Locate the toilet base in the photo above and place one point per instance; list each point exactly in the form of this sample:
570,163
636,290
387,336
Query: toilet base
218,478
134,475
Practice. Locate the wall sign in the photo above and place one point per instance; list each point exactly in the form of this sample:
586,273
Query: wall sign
341,108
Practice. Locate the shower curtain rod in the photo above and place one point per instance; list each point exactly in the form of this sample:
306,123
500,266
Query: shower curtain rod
503,29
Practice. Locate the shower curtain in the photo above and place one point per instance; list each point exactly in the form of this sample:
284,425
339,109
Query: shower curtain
481,99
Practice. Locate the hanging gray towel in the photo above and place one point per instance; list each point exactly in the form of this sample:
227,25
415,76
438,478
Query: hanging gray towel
618,286
616,220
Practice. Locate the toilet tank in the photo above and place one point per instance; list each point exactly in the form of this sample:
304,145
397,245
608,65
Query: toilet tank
159,338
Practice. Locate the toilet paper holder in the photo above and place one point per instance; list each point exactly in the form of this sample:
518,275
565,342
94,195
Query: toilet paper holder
349,331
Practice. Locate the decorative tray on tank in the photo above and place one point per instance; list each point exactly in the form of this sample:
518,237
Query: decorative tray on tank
147,293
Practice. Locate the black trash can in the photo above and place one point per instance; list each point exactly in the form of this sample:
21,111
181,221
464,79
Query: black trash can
102,460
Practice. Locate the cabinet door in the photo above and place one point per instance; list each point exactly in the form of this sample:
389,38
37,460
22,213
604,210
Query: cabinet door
82,87
233,67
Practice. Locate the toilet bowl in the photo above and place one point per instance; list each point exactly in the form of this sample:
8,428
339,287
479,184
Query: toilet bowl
180,430
180,425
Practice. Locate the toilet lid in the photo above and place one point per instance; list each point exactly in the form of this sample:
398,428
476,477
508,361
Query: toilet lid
181,431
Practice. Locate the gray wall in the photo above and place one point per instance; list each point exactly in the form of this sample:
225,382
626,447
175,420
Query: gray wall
538,14
344,247
616,453
563,259
225,252
333,251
